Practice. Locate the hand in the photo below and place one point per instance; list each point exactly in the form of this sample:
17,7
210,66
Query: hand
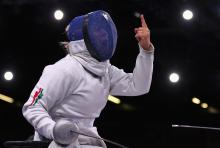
64,132
142,34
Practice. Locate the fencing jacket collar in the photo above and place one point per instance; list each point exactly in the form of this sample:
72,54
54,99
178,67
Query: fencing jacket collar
77,49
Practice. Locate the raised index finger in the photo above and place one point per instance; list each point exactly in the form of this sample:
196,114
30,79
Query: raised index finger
143,23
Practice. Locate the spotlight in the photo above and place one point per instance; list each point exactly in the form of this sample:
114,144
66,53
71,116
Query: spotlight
114,99
6,98
196,100
204,105
187,14
137,14
174,77
8,76
58,14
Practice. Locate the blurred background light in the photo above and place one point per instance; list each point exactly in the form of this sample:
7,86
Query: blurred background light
137,14
114,99
187,14
196,100
58,14
213,110
204,105
174,77
8,75
6,98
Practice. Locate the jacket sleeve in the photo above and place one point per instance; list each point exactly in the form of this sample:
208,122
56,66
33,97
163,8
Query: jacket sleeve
136,83
52,87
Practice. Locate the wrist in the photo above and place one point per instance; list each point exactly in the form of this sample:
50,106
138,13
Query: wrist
150,49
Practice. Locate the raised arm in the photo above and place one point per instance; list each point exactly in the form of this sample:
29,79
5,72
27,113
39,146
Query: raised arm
138,82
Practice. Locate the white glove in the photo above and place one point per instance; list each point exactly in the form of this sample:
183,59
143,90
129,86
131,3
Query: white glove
64,132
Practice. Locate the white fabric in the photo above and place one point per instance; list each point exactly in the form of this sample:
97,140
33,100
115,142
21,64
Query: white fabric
78,91
72,145
78,50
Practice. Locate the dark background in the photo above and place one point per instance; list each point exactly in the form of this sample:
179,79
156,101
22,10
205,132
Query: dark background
29,37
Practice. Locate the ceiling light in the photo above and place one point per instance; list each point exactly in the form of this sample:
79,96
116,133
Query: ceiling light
6,98
174,77
187,14
114,99
204,105
8,75
196,100
137,14
58,14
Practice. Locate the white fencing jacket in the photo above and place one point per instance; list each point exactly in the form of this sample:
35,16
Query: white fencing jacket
77,87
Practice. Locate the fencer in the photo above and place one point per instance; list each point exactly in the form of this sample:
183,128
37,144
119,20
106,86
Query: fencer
75,88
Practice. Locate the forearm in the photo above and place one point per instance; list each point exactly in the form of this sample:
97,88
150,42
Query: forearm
39,118
142,74
136,83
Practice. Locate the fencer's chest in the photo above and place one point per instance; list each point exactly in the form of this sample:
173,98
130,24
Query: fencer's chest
90,96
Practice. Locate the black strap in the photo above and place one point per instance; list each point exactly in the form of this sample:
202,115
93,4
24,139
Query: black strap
26,144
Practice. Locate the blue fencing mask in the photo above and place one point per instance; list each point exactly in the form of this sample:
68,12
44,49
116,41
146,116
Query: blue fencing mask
98,31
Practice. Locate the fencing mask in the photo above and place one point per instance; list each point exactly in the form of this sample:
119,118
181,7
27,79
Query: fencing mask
98,31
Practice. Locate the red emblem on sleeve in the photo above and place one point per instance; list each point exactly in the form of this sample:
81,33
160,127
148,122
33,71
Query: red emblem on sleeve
37,95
